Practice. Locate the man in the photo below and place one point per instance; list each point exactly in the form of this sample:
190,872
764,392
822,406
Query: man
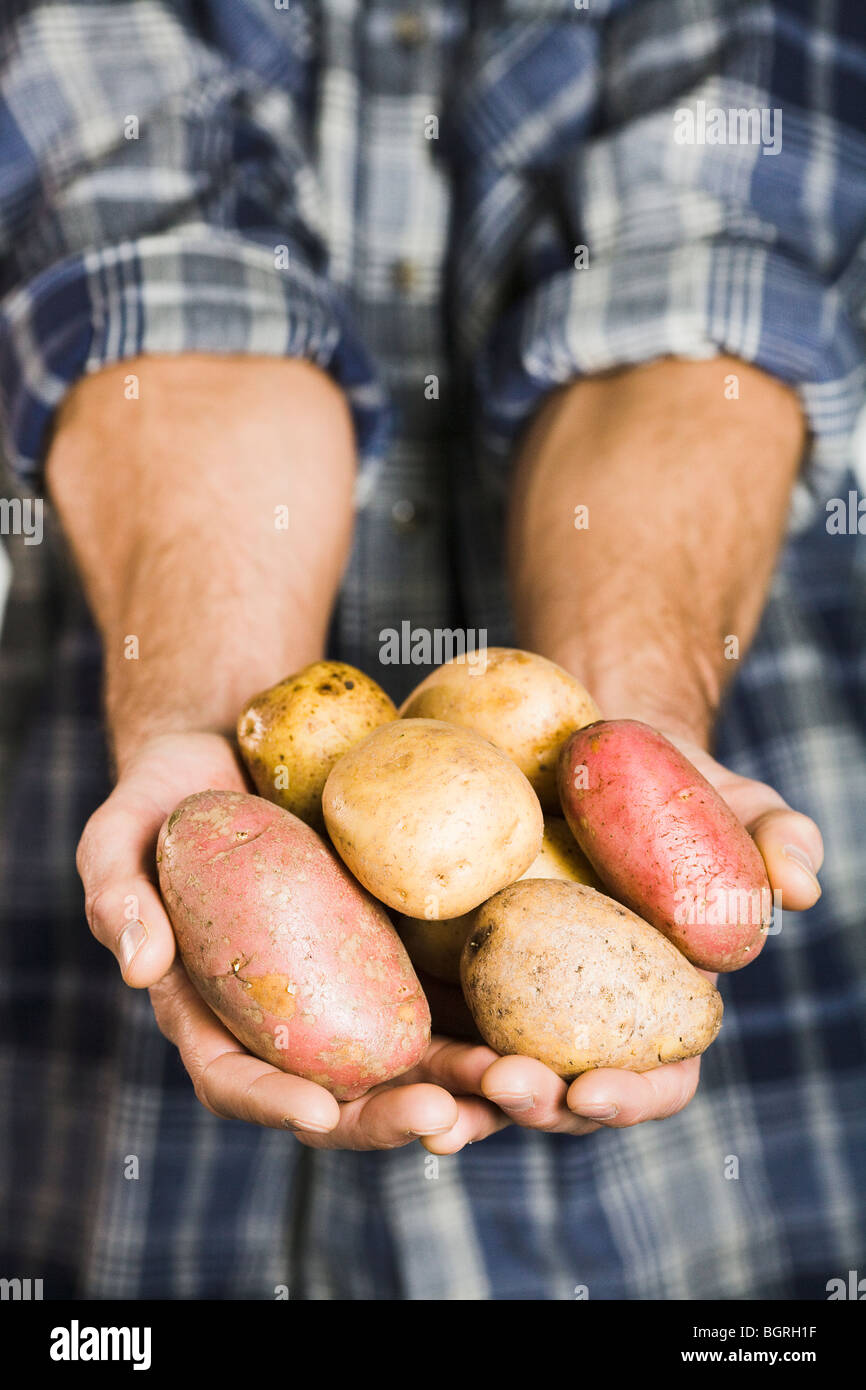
395,275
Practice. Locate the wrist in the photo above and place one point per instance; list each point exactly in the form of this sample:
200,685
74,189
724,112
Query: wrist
686,706
677,693
128,736
193,692
672,718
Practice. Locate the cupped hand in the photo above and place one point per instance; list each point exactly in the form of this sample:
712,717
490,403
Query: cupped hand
126,914
461,1091
528,1093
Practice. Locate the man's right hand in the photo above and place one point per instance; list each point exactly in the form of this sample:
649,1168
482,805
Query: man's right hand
126,914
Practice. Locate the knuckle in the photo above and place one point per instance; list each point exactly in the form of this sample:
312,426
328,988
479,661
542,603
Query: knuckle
250,1102
554,1124
201,1096
204,1083
541,1118
678,1101
388,1142
81,853
171,1020
97,910
162,1018
89,841
166,1011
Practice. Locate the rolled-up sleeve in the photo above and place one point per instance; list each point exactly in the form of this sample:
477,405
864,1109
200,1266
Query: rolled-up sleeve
155,197
719,206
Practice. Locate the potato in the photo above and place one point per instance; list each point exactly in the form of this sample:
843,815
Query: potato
430,818
560,856
664,842
523,703
292,734
437,946
298,962
559,972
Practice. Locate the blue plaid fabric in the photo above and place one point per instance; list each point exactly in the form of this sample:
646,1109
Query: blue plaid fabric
454,208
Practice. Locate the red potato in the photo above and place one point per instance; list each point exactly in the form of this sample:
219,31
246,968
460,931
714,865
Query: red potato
665,843
300,963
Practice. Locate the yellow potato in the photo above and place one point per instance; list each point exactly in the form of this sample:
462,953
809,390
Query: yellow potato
559,972
291,735
430,818
523,703
561,856
437,946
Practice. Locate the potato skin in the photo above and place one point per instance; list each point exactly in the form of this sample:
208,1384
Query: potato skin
561,857
523,703
305,723
432,819
437,946
298,962
559,972
664,842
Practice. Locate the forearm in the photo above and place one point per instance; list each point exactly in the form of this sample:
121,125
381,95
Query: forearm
686,495
171,506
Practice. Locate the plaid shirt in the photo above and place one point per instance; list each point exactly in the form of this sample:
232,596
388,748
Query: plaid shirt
402,194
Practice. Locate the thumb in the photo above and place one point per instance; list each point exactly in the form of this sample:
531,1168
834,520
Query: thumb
123,908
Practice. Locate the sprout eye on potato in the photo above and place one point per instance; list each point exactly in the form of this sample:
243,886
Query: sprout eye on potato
559,972
524,704
291,735
432,819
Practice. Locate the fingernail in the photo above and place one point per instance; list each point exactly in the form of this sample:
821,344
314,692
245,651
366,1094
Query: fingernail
603,1110
506,1102
132,936
802,860
425,1133
304,1126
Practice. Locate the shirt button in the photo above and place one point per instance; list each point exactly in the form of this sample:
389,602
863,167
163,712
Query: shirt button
404,516
404,276
410,28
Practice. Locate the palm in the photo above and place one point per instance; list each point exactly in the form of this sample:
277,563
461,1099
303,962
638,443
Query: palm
530,1094
116,861
461,1091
